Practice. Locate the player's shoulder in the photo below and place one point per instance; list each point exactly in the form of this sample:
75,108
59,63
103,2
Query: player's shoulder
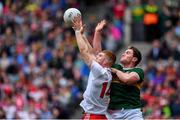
95,63
139,71
117,66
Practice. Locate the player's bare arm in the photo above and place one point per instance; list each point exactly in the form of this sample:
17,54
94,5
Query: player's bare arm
86,55
82,32
87,42
97,36
127,78
85,38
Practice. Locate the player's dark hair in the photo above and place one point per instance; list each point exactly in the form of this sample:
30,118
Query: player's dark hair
111,56
137,54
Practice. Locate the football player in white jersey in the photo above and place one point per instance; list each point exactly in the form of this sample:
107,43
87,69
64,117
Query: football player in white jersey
96,96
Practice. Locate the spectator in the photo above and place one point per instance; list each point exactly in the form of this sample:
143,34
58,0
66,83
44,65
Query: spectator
155,53
151,20
164,19
137,21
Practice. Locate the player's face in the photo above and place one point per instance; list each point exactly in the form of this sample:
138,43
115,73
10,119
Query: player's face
127,56
100,58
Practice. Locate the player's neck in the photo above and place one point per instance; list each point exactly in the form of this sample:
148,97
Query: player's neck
128,65
106,66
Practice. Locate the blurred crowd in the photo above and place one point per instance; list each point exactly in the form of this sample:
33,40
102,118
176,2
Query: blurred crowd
160,93
42,75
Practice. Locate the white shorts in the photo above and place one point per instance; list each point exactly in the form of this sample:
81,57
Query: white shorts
128,114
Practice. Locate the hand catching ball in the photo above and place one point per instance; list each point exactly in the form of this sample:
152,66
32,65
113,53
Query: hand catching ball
69,15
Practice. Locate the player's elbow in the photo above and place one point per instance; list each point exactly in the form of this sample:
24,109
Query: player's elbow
82,50
128,82
86,48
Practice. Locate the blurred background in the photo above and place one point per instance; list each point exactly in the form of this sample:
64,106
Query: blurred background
42,75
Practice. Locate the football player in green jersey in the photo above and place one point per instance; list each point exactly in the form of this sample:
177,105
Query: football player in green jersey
127,82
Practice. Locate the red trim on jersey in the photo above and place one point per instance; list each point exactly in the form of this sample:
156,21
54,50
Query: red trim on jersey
104,86
87,116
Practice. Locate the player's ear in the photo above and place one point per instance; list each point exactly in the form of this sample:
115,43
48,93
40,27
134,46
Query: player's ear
134,59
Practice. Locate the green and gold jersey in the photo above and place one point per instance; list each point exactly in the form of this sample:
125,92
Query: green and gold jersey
123,95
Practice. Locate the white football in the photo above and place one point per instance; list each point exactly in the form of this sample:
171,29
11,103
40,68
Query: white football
69,14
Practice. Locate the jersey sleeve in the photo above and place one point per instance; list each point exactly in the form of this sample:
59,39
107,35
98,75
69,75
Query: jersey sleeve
97,69
140,72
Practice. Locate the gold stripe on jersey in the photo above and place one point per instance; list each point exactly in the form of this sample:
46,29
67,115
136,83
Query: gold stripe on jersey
138,85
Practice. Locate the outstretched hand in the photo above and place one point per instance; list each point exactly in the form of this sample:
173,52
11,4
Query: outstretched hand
77,24
100,25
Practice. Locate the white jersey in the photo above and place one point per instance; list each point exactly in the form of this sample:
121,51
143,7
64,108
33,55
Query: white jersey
96,96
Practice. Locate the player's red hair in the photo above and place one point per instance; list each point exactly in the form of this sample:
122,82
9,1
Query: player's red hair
111,56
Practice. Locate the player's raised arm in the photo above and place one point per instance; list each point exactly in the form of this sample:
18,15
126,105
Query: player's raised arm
86,54
97,36
85,38
88,44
